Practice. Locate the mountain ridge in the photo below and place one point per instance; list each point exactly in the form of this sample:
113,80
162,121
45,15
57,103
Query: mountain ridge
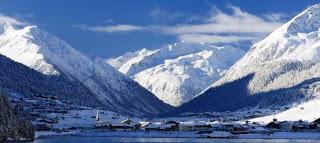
51,56
178,72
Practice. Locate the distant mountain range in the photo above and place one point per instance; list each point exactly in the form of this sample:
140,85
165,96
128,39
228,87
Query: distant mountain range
68,73
179,72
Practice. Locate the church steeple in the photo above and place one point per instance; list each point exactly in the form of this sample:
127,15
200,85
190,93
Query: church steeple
98,117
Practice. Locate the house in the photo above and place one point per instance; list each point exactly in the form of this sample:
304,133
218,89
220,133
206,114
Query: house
273,125
168,127
145,124
103,125
161,127
315,124
317,121
153,127
199,126
300,125
137,126
231,126
172,125
121,127
127,121
286,125
195,126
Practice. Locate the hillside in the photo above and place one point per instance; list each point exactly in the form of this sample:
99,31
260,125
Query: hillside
100,83
280,70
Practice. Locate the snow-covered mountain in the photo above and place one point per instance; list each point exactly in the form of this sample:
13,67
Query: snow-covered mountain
133,63
297,41
122,60
178,72
51,56
281,69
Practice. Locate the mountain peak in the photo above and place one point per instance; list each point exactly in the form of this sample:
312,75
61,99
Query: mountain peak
285,59
30,28
305,22
178,72
8,27
296,40
52,56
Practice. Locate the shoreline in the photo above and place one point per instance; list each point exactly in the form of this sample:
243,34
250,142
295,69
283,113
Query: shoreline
142,134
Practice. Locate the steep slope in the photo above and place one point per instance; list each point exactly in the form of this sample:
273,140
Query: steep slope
18,78
285,65
51,56
178,80
120,61
296,41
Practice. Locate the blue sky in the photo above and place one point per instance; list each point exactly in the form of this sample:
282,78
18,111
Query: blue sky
109,28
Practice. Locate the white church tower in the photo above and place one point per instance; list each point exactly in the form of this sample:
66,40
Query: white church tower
98,118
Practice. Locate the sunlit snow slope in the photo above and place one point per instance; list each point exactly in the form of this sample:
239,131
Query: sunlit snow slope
308,111
178,72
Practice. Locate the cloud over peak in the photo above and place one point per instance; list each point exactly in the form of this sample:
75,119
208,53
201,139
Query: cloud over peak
7,19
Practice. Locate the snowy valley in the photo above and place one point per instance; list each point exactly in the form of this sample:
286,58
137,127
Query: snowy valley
182,90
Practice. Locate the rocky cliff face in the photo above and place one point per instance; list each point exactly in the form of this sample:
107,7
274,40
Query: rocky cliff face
13,126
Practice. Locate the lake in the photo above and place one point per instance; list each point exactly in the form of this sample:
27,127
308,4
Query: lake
79,139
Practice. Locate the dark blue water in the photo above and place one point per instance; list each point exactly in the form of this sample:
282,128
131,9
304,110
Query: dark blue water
77,139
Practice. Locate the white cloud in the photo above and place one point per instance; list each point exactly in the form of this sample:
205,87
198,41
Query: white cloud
6,19
220,22
206,38
276,16
222,27
218,27
112,28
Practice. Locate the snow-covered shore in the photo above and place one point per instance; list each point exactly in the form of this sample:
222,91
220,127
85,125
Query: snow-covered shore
139,134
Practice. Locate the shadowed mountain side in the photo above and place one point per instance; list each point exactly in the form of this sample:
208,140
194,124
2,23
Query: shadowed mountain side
18,78
234,95
74,76
15,77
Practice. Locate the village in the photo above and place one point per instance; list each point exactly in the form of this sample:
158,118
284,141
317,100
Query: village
213,129
51,114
